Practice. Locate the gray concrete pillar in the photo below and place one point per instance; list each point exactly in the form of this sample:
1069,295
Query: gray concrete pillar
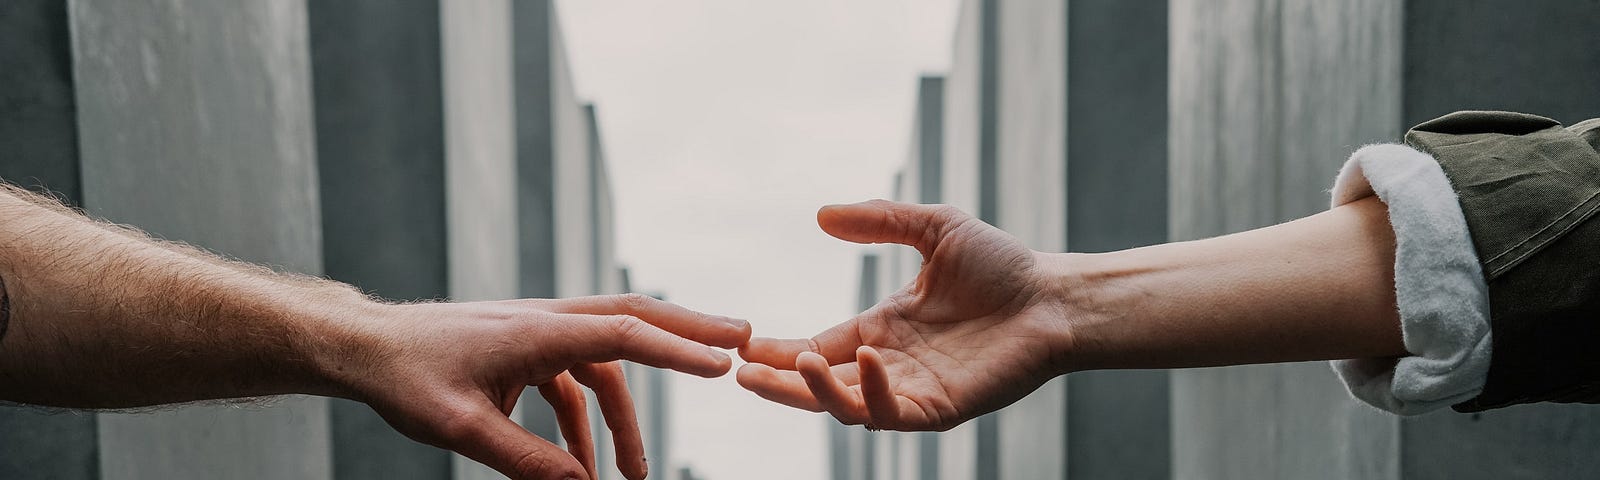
838,450
195,123
381,159
1116,198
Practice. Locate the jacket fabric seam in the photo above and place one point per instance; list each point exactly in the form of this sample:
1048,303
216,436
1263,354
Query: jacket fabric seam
1538,239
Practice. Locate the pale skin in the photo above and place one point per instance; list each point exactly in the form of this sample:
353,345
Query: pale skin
987,321
105,317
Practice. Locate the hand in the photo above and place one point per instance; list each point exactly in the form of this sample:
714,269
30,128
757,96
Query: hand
448,374
978,329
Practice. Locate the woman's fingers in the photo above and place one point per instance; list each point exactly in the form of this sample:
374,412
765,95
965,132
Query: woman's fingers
572,413
888,409
882,221
836,345
787,387
882,408
831,394
616,406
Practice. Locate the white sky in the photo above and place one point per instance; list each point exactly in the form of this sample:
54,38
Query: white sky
727,124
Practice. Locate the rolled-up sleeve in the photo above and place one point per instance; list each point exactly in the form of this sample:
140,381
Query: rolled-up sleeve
1439,288
1529,189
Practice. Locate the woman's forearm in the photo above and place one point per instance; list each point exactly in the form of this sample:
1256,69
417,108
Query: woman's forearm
1317,288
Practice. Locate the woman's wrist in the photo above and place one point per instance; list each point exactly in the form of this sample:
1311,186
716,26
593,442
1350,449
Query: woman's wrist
1082,296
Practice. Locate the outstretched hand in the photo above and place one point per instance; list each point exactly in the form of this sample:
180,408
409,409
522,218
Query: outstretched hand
978,329
449,374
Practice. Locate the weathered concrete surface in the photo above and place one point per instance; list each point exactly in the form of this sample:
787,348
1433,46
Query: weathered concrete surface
572,181
381,160
961,112
552,160
195,124
39,133
1116,190
1535,56
39,130
957,459
46,444
480,141
1118,424
1031,129
380,144
1267,99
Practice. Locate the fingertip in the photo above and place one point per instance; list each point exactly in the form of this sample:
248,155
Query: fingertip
735,333
810,361
722,364
832,217
747,375
759,350
829,209
742,329
641,470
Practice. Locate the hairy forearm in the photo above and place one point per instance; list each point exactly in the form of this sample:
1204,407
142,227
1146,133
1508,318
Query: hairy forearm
1317,288
104,317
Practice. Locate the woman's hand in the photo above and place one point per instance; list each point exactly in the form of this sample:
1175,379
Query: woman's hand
978,329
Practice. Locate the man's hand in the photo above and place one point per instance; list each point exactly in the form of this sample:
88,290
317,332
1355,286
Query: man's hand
106,317
974,332
449,374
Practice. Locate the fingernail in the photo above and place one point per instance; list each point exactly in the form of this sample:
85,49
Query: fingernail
736,323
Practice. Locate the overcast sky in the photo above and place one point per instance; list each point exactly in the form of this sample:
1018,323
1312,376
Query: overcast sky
727,124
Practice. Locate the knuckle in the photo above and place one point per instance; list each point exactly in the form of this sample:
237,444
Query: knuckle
813,347
634,301
459,427
533,465
626,329
948,212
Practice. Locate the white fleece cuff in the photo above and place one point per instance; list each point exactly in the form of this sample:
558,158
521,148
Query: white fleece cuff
1439,286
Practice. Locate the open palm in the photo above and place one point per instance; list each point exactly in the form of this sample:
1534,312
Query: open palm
974,332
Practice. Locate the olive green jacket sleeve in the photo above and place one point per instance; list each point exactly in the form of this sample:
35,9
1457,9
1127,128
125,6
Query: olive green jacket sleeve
1529,189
